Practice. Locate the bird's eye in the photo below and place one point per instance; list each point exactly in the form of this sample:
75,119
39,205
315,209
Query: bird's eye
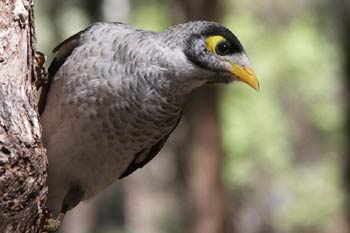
223,48
218,45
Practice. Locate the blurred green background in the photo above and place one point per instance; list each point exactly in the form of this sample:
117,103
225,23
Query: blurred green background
274,161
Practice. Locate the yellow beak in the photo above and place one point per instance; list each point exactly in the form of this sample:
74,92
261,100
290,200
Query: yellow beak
245,75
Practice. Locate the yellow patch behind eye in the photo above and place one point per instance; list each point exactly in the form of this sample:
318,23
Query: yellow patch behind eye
212,41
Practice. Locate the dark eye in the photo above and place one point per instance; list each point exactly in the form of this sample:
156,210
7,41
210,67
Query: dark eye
223,48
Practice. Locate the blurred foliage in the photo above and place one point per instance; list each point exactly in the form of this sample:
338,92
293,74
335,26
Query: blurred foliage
298,66
150,15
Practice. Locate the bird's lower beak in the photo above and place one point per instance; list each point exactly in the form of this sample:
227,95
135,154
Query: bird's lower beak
246,75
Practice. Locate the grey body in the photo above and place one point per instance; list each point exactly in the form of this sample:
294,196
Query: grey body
113,102
119,102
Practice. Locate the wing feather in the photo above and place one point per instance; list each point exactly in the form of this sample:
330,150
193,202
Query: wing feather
136,163
62,52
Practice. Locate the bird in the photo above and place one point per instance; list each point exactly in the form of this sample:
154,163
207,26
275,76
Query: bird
115,93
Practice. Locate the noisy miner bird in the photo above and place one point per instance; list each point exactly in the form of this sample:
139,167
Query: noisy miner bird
115,94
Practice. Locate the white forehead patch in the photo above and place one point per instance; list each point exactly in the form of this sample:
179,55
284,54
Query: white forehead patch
242,60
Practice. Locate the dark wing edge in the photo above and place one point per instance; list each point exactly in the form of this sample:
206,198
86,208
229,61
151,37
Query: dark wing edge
134,165
62,52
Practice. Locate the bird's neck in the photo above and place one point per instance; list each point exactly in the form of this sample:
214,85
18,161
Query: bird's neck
165,92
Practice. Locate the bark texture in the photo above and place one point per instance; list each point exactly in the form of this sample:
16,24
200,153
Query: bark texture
23,162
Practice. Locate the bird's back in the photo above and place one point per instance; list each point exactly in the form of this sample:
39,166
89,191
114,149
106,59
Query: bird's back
104,116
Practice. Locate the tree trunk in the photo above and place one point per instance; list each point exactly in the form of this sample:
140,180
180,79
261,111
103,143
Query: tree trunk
23,162
205,164
205,155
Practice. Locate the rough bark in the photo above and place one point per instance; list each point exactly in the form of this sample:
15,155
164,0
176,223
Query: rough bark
23,161
205,155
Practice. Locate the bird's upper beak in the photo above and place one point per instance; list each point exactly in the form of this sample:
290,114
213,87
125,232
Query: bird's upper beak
246,75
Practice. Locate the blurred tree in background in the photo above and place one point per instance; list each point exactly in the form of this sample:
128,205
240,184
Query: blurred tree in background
284,153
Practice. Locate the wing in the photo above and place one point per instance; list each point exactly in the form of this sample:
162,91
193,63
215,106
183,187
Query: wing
141,159
62,52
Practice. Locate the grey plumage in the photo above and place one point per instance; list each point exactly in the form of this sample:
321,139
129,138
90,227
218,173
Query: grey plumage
114,96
